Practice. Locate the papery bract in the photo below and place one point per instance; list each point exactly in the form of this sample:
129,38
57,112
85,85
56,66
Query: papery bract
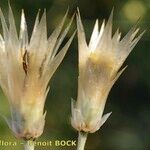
26,66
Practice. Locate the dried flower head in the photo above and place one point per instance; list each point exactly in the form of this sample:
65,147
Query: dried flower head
26,68
99,62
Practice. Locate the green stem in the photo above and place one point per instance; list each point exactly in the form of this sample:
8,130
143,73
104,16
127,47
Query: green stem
82,140
29,145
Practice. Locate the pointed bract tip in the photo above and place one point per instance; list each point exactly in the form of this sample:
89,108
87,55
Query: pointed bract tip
135,26
103,23
96,22
39,10
112,11
138,20
9,6
143,32
65,16
9,3
71,38
22,13
44,14
96,26
68,9
22,10
73,16
71,20
44,115
74,32
38,13
78,13
1,13
119,74
67,12
111,16
78,16
23,21
44,10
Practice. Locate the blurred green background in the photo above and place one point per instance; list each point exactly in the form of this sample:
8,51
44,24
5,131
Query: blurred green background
128,128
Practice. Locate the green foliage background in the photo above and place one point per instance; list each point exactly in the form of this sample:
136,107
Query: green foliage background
128,128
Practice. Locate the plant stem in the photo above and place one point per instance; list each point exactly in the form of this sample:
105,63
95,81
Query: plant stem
28,145
82,140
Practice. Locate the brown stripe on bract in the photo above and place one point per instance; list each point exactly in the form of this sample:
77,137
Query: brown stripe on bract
42,65
25,61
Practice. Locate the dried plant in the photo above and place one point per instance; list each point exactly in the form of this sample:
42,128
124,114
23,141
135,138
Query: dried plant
25,70
99,65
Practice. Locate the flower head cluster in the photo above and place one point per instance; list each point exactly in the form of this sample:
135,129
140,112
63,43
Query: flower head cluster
26,67
99,63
